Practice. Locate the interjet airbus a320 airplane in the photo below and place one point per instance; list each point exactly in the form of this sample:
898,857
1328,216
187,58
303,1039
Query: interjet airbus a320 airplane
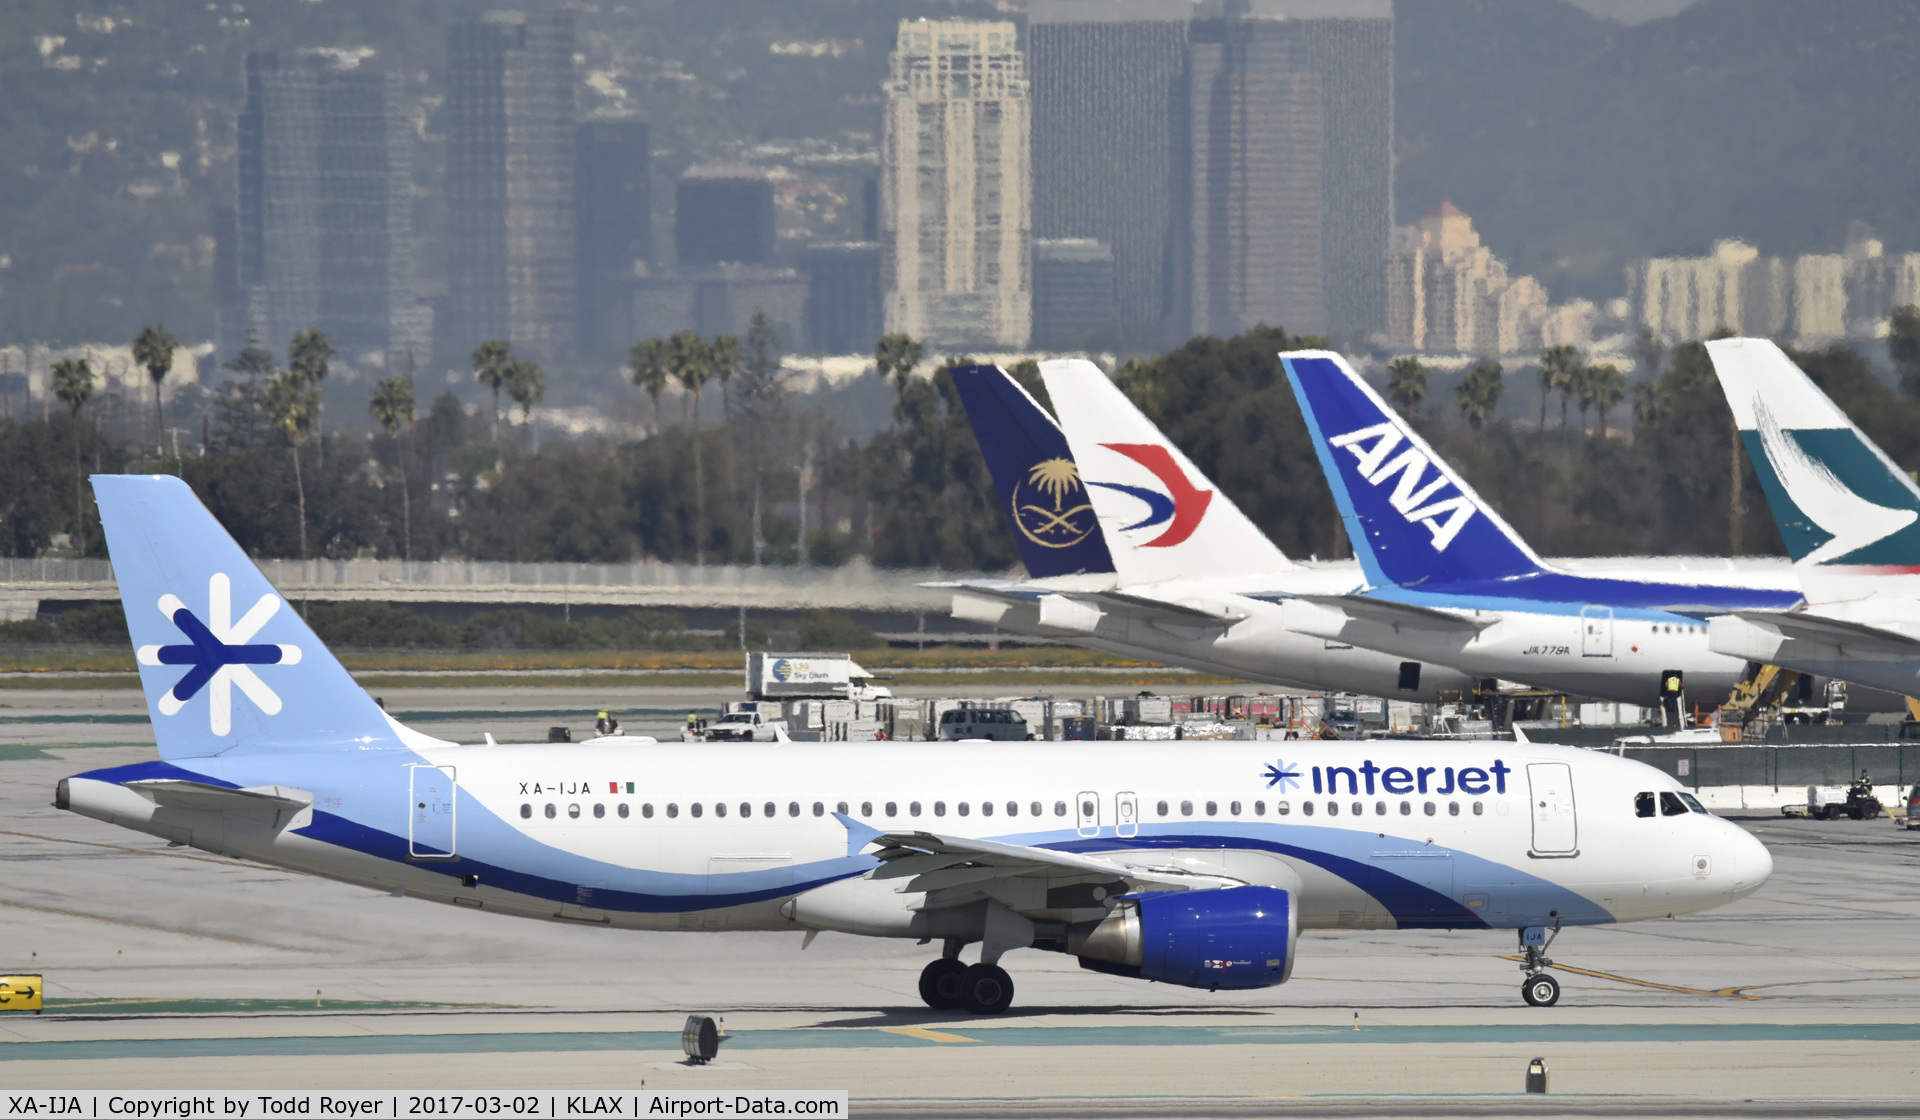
1198,866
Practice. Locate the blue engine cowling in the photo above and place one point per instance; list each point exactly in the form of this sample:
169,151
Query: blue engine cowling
1236,937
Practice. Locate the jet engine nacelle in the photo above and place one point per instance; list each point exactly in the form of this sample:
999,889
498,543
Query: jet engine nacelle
1236,937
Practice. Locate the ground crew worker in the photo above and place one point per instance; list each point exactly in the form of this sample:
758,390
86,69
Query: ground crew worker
1670,692
1865,782
606,724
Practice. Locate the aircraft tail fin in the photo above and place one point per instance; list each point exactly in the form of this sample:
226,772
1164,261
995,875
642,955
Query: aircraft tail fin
1411,519
1041,493
1162,517
225,662
1840,502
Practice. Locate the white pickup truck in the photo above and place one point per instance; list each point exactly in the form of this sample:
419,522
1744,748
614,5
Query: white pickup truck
746,727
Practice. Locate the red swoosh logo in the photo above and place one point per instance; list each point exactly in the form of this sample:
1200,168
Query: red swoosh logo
1189,504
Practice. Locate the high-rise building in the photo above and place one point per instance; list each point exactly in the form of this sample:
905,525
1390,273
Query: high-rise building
1448,294
955,209
1282,92
512,256
843,296
1111,150
723,214
1074,281
613,211
321,232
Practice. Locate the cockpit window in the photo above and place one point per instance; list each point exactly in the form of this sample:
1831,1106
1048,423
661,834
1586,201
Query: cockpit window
1693,803
1643,804
1671,805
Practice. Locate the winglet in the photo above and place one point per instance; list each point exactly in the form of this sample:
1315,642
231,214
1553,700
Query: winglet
1411,519
858,835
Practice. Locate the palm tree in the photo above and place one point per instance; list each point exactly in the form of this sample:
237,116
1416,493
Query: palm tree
690,360
647,368
73,385
1478,393
307,357
492,363
726,358
292,400
1609,387
1406,384
896,355
1557,364
392,408
1650,350
526,384
153,348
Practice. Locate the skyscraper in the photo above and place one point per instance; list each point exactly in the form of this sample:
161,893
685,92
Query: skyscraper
1256,69
1110,147
723,214
843,296
955,214
322,225
613,183
512,256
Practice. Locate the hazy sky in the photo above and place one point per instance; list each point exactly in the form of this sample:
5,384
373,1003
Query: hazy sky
1631,11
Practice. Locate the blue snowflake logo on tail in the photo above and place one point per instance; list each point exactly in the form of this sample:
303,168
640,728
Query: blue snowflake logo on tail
1282,775
221,654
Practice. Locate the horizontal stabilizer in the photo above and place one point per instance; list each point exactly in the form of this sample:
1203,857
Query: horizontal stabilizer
265,801
1832,631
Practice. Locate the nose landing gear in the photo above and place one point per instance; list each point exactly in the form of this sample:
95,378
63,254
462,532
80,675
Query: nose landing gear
1539,989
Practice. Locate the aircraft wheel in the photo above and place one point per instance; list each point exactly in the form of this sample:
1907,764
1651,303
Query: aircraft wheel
986,989
940,984
1540,991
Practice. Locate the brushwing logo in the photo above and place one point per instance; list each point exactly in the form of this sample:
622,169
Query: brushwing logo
1050,505
220,653
1414,496
1180,508
1850,520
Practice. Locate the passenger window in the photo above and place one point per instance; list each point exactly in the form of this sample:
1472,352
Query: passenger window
623,810
819,810
1671,805
1259,808
1358,809
673,810
1643,804
646,809
550,811
986,808
913,808
719,808
1059,808
1013,808
1333,808
526,811
1379,808
1213,808
1429,808
939,808
893,809
573,811
961,808
696,808
866,808
1161,808
1086,809
840,808
746,808
1406,808
1281,808
1305,807
1233,808
1033,809
793,808
768,810
1479,809
1693,803
599,811
1453,808
1186,808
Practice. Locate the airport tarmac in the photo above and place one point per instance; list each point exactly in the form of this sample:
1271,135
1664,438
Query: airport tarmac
170,967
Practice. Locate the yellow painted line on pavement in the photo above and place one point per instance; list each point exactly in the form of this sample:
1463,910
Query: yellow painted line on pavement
1731,993
930,1036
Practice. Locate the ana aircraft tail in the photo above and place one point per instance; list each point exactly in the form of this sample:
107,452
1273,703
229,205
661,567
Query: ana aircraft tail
225,662
1410,517
1162,517
1840,502
1039,483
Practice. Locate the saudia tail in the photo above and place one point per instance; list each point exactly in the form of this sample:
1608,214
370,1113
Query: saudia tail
225,662
1162,517
1410,517
1840,502
1039,484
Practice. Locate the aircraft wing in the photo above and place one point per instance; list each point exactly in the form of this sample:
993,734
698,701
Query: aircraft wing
953,870
1832,631
1387,612
1141,604
992,589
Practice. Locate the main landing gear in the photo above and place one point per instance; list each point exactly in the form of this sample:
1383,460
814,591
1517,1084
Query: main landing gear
1539,989
948,984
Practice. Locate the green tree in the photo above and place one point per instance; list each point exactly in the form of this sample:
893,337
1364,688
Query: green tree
308,356
492,365
724,361
1478,394
292,401
526,384
392,408
896,355
1650,350
1903,346
1406,384
647,369
153,348
1606,387
690,361
73,386
1557,369
761,383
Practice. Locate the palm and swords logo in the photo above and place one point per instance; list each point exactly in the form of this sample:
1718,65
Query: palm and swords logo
1050,506
221,654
